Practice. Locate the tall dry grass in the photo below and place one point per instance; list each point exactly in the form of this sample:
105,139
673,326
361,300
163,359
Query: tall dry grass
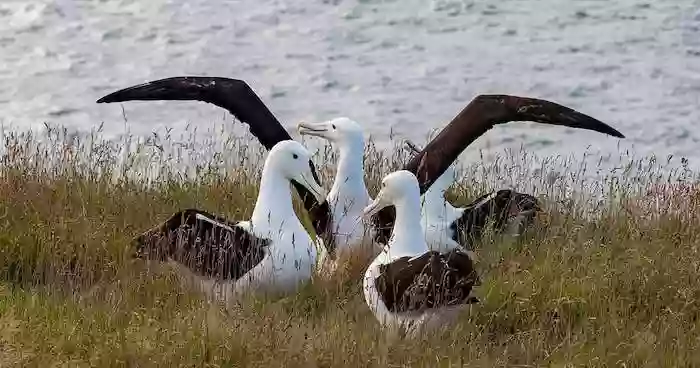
607,278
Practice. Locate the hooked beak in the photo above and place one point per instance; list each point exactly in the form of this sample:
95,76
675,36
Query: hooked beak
380,202
307,180
318,129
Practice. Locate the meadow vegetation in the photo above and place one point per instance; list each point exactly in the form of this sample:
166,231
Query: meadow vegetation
608,277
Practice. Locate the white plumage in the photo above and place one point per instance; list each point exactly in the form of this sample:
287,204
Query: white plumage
270,252
408,245
348,195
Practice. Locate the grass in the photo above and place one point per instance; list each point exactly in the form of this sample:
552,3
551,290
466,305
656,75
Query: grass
607,278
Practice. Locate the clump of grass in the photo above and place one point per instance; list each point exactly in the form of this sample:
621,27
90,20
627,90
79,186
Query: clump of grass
607,277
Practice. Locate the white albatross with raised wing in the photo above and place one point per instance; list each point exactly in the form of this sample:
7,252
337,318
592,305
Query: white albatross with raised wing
271,252
448,227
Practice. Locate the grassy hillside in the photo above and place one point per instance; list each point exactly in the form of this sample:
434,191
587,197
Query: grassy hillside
596,283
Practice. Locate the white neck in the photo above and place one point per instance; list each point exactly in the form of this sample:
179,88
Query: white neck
434,195
273,208
349,182
434,200
443,182
407,238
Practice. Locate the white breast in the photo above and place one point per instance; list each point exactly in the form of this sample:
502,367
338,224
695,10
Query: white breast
374,302
348,230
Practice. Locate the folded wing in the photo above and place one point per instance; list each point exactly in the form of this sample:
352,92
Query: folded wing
431,280
209,245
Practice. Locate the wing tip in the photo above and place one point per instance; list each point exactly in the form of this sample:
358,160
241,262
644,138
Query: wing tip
112,97
603,127
618,134
611,131
583,121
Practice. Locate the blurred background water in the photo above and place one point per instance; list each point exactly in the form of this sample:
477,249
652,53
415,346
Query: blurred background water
402,68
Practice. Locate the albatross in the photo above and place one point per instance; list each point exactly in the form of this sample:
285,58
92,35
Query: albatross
241,101
447,227
270,252
479,116
348,195
409,287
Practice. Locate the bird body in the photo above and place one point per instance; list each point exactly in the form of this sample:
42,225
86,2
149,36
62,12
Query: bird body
407,286
348,196
270,252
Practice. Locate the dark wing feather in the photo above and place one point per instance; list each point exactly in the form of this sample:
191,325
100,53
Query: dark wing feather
206,248
499,208
233,95
482,114
431,280
241,101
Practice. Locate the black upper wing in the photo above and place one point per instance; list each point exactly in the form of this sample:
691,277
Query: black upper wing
223,251
241,101
429,281
233,95
482,114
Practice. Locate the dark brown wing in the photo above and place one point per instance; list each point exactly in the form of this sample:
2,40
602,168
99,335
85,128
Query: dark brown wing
241,101
431,280
209,245
500,208
482,114
233,95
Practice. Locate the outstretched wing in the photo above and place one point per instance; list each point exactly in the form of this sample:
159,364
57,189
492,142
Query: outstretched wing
482,114
233,95
431,280
209,245
241,101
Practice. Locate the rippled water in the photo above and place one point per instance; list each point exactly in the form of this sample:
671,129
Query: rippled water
406,66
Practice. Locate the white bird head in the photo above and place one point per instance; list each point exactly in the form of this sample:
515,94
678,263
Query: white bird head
398,186
341,131
293,161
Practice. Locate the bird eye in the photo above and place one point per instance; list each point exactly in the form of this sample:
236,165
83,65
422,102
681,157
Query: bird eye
333,126
295,156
